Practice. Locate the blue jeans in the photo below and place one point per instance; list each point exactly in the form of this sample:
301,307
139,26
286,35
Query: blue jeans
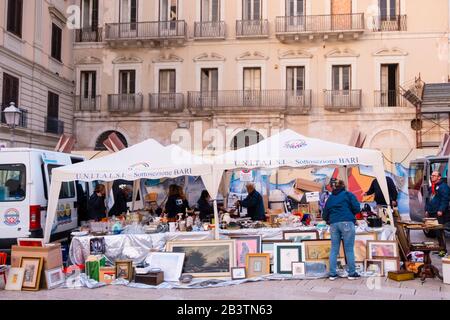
343,231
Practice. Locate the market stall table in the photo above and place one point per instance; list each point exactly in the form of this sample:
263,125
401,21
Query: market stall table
137,246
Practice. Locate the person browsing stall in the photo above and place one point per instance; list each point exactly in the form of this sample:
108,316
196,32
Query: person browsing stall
96,208
339,212
254,204
204,206
176,202
437,205
120,201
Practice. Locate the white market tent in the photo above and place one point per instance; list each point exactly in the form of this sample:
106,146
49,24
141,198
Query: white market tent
289,149
146,160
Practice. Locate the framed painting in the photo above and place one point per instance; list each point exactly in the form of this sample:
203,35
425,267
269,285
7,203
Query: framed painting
238,273
298,269
257,264
300,235
124,269
15,279
267,247
107,275
320,249
376,267
54,278
209,258
33,269
285,254
389,264
385,249
361,245
244,246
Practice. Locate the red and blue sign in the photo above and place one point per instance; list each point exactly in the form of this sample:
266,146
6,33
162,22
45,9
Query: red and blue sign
12,217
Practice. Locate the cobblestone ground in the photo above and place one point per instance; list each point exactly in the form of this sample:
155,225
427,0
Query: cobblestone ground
341,289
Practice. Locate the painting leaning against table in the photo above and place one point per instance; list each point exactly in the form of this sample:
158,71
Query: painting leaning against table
206,258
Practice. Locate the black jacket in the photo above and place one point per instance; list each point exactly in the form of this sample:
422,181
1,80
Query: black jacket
205,208
96,207
376,189
255,206
175,205
120,204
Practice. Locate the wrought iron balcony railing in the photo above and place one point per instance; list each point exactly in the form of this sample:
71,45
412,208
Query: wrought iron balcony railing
91,34
319,23
389,23
342,99
209,30
252,28
125,103
152,30
250,100
54,125
166,102
87,103
389,98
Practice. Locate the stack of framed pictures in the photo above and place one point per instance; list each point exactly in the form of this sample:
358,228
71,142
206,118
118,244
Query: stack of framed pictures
384,253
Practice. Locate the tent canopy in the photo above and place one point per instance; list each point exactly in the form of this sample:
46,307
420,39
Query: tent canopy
146,160
290,149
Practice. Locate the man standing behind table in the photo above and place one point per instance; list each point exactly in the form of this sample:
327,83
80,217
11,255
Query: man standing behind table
437,205
254,204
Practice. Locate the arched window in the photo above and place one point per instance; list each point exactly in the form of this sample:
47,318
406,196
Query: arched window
246,138
99,143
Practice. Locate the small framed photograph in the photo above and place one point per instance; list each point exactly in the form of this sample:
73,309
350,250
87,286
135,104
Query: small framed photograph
298,269
300,235
15,279
390,264
238,273
124,269
30,242
54,278
97,246
107,275
385,249
257,264
376,267
33,269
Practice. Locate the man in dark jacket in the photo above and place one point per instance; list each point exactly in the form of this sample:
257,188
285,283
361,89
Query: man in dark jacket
254,204
339,212
96,205
120,201
437,205
379,197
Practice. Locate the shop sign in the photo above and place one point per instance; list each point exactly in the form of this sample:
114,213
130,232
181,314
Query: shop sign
312,197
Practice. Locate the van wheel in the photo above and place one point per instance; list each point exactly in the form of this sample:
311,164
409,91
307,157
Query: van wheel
429,233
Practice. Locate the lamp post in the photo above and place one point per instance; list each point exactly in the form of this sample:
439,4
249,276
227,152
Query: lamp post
12,117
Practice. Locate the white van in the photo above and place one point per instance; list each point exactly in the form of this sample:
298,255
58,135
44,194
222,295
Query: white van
25,176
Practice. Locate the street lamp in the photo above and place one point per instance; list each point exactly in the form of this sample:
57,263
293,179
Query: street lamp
12,118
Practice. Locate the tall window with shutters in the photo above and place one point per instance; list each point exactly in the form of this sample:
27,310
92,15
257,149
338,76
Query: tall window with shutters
14,17
251,9
210,10
56,42
89,9
53,124
127,82
10,92
341,78
128,15
295,80
388,10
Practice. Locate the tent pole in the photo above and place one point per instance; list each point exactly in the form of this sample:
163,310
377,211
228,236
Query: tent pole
136,183
216,221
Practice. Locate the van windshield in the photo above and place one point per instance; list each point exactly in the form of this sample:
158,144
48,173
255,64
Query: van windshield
12,182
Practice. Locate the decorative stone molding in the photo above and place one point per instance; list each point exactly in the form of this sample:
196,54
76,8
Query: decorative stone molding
57,15
209,57
342,53
89,60
295,54
167,57
390,52
124,60
256,55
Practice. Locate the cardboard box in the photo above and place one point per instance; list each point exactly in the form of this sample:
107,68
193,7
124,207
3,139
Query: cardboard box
52,258
446,270
52,255
401,275
152,278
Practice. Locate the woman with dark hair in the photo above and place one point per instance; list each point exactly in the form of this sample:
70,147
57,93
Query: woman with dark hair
339,212
96,208
176,202
204,206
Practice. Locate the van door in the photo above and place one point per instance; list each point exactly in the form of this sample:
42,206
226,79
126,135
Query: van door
14,195
66,216
417,189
